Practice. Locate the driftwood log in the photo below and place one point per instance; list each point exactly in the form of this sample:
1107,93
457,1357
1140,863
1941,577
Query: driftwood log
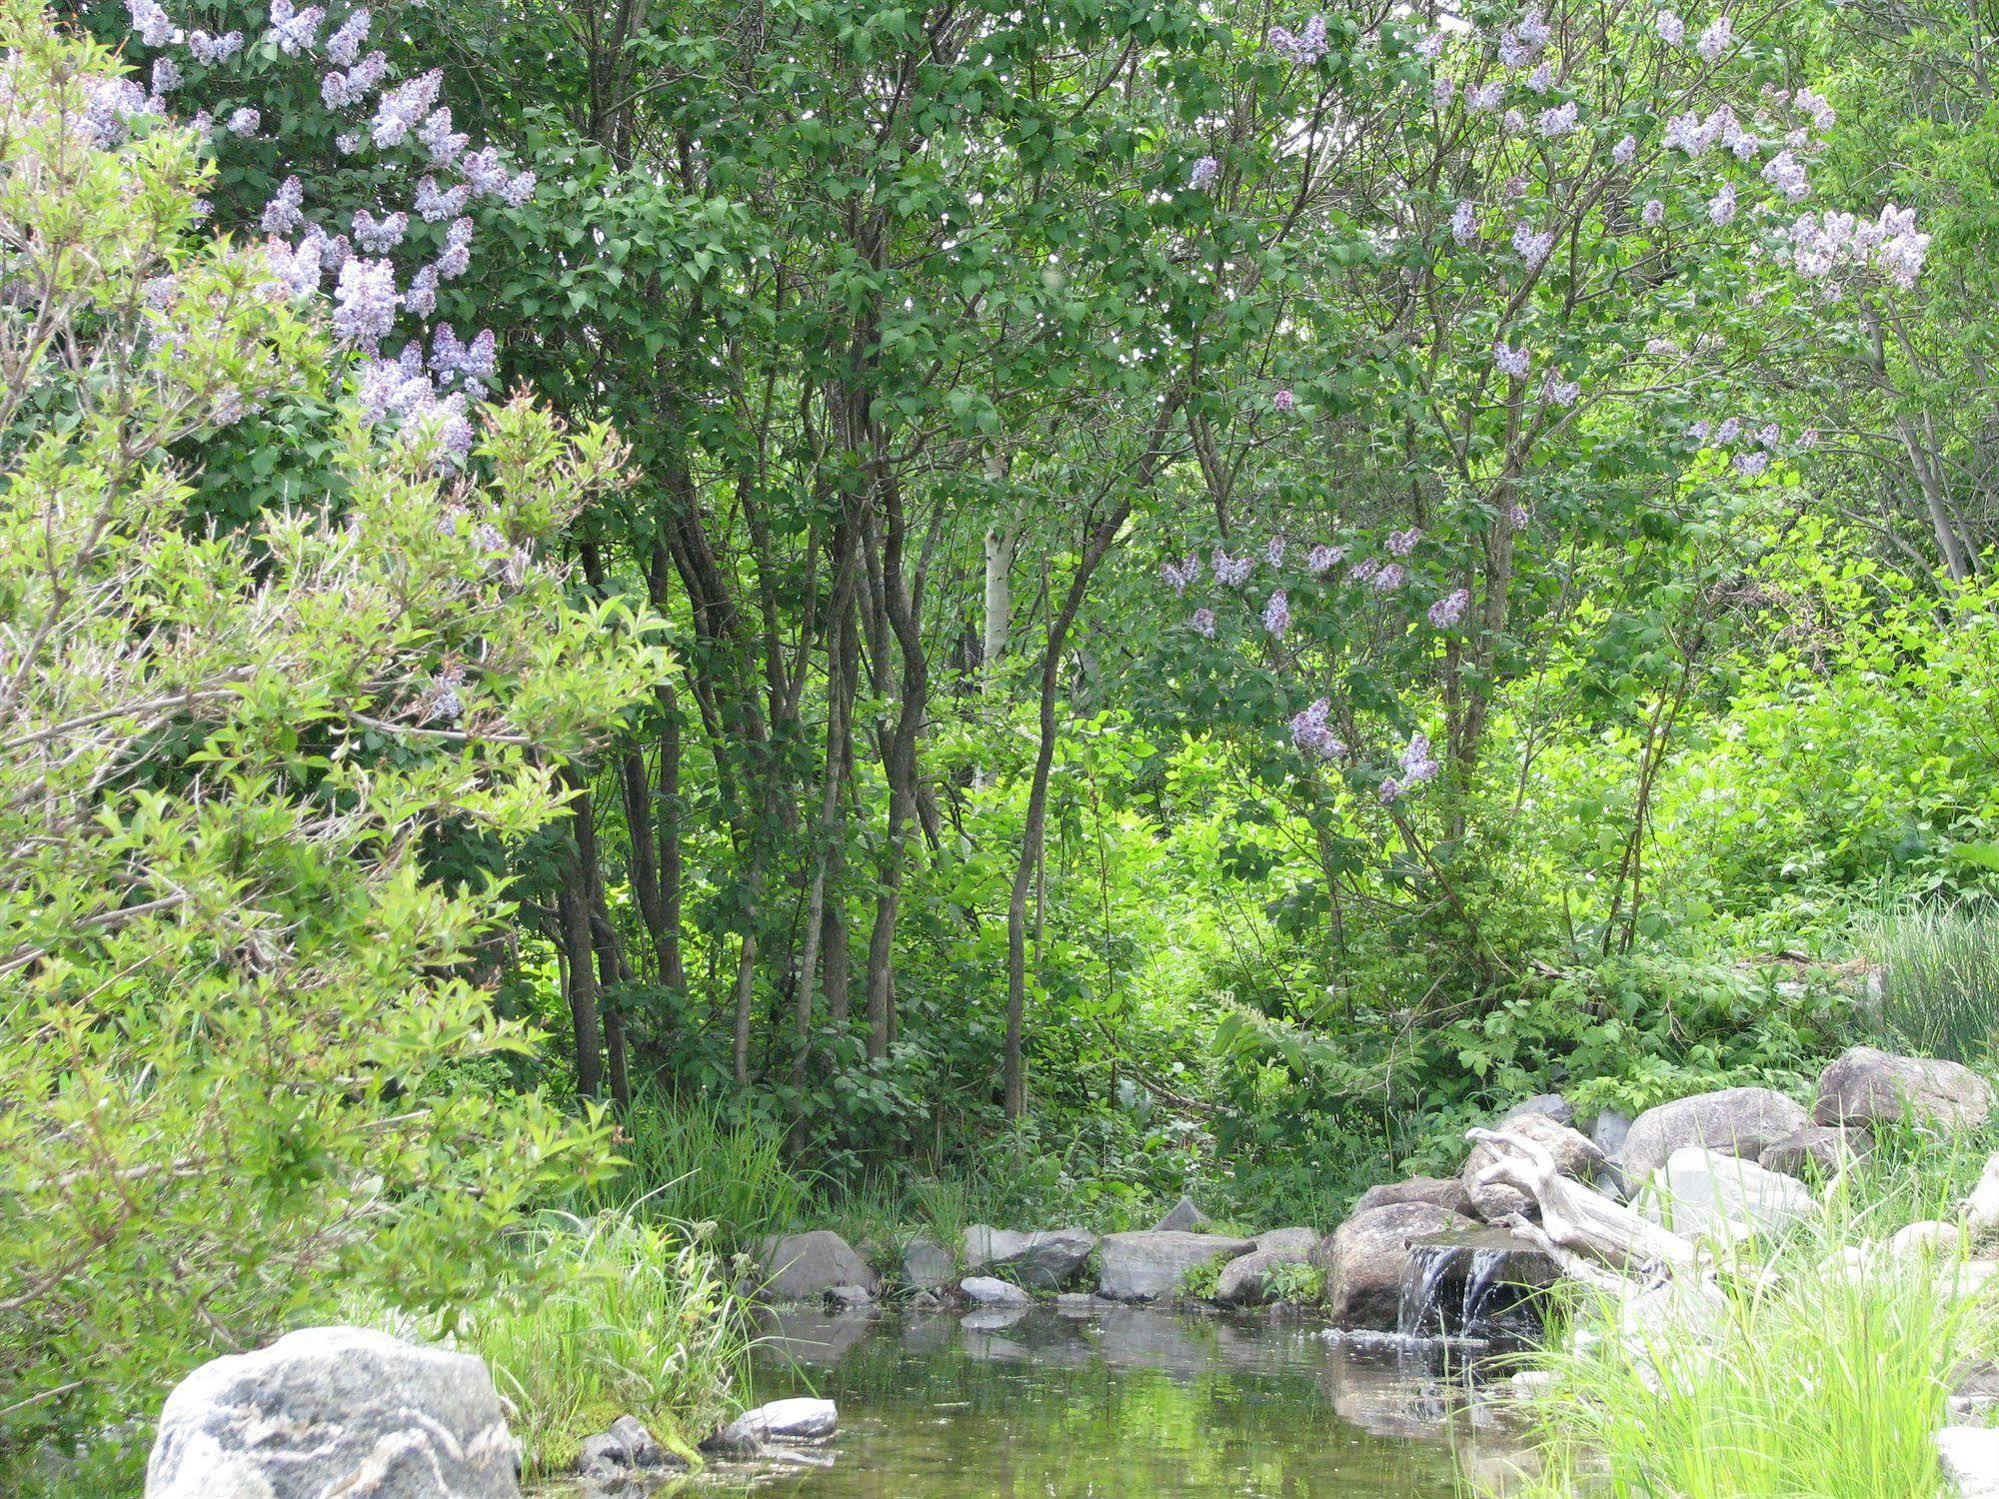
1599,1242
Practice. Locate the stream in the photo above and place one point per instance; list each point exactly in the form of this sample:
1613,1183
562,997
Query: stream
1120,1402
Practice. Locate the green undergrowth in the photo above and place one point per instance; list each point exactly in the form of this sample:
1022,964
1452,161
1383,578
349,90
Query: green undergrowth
1809,1380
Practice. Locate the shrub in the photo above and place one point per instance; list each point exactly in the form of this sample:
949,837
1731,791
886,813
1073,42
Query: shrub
236,999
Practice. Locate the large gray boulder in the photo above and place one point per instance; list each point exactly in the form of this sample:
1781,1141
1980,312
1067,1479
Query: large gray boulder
1866,1086
1047,1260
1701,1193
1439,1191
1550,1105
802,1419
1735,1121
1245,1280
1574,1156
1367,1257
1147,1266
1609,1130
335,1410
804,1267
1182,1218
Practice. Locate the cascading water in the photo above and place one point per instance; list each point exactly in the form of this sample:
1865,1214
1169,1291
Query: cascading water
1478,1284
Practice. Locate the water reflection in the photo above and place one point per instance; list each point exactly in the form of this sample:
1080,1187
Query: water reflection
1117,1402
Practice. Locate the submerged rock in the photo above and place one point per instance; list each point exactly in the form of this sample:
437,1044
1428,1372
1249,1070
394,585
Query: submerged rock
335,1410
798,1420
1146,1266
1047,1260
1701,1193
804,1267
625,1449
1367,1258
1574,1156
1868,1086
1733,1121
848,1298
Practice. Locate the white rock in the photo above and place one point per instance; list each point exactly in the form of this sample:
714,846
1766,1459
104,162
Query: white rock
1981,1211
798,1420
984,1290
1970,1457
335,1410
1703,1193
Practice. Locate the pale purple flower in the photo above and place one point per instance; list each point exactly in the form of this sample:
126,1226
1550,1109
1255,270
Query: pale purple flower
1653,214
209,50
365,302
1816,107
435,204
1179,575
1532,246
474,363
1322,559
1517,517
444,422
403,108
1203,175
1513,122
484,171
1390,578
456,258
1721,207
1464,222
294,31
297,269
1364,571
1771,436
349,142
1558,122
1541,80
1273,551
1701,430
444,145
155,27
1717,39
344,46
378,236
1311,735
1672,30
1388,791
1483,98
1514,362
166,76
281,214
1232,572
1787,175
1402,543
1284,400
1304,47
1809,438
1521,44
1751,464
518,190
1729,430
389,387
1662,348
1203,622
1417,766
1450,609
1625,150
1277,614
1559,392
421,299
242,123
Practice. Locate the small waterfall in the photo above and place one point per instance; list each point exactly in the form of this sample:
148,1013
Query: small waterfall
1476,1284
1420,1312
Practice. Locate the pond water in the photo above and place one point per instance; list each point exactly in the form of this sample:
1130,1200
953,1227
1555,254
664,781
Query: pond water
1124,1403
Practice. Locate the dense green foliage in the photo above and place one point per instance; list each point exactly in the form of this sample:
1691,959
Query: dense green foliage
769,746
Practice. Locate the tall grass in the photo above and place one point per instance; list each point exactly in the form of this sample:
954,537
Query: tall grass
1811,1381
690,1161
626,1318
1939,978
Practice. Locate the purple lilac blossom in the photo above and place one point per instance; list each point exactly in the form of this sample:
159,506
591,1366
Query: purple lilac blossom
1284,400
344,46
1717,39
1625,150
1310,734
377,236
1304,47
1653,214
1390,578
1273,551
1203,622
1402,543
1179,575
1277,614
242,123
1464,222
1672,30
1559,392
295,31
155,27
435,204
1322,559
1203,174
1450,609
444,145
403,108
364,302
1232,572
1483,98
282,214
1513,362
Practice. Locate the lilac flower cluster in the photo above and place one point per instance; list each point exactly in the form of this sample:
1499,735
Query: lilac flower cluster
1449,610
1179,575
1417,767
1305,47
1521,44
1277,614
1833,248
1202,177
1312,737
1232,572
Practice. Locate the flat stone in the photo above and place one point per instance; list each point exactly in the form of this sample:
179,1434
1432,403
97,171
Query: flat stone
798,1420
927,1265
1245,1280
848,1298
985,1290
1182,1217
1146,1266
1970,1457
1439,1191
1734,1121
1366,1257
1819,1148
335,1410
1703,1193
1046,1260
804,1267
1870,1086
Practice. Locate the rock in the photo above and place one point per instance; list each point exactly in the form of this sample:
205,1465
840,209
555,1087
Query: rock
925,1301
335,1410
1734,1121
1703,1193
1866,1086
927,1265
1245,1280
1970,1456
799,1420
984,1290
1146,1266
1048,1260
1974,1387
1981,1209
1081,1304
804,1267
1816,1147
625,1449
1608,1132
1928,1240
1366,1257
1182,1218
848,1298
1547,1105
1439,1191
1574,1156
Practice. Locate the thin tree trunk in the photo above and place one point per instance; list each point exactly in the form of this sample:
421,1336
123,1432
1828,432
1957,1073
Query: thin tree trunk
672,968
579,954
